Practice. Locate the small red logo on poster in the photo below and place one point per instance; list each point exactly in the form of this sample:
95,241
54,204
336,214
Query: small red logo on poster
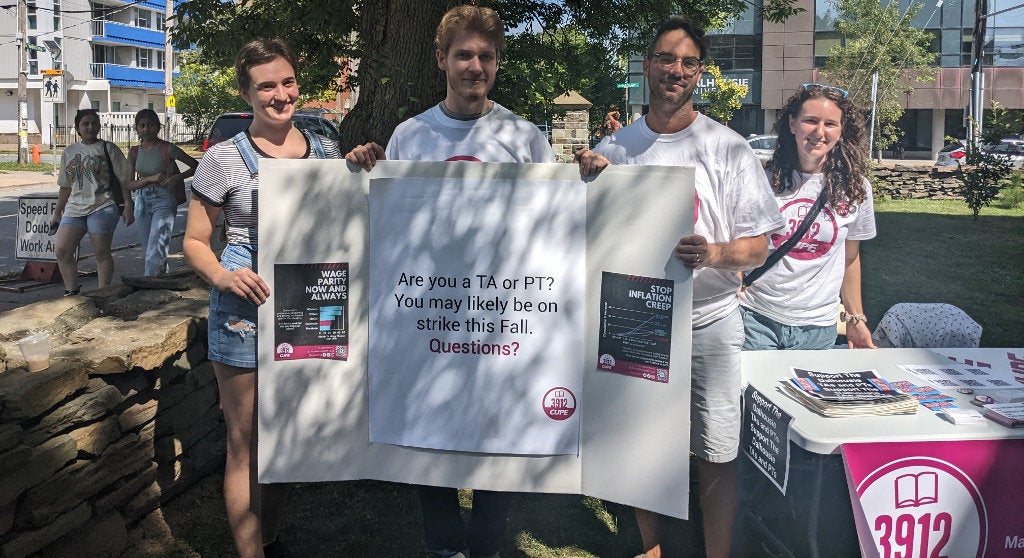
559,403
285,350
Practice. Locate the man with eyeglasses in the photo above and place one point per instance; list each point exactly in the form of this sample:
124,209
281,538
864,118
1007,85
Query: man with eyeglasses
734,211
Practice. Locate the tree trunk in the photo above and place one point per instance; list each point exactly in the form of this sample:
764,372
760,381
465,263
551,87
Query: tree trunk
398,74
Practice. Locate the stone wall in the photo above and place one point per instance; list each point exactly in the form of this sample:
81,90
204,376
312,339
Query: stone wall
125,418
900,182
570,132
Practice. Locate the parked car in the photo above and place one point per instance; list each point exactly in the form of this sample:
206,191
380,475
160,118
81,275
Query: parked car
230,123
1010,148
951,155
763,146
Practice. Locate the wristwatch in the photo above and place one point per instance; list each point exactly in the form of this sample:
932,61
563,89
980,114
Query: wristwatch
851,319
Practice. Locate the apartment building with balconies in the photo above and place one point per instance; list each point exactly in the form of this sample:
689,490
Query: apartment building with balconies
111,53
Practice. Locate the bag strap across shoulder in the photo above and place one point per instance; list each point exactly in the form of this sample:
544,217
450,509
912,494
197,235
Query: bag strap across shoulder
169,165
774,257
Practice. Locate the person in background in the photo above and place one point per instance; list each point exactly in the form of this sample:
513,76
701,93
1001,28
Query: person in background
734,210
821,152
466,125
155,175
87,201
226,181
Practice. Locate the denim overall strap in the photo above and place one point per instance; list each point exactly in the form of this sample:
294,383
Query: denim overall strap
314,143
248,154
241,141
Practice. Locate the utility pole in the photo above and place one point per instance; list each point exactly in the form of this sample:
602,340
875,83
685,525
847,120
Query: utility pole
977,103
22,82
169,102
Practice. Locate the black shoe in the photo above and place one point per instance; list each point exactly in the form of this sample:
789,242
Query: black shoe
77,290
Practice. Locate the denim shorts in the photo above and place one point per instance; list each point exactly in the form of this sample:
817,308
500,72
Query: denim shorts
101,221
231,329
716,389
766,334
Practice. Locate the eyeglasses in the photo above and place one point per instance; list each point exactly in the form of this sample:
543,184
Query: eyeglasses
842,92
667,60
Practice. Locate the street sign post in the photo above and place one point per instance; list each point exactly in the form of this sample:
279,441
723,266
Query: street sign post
53,86
627,85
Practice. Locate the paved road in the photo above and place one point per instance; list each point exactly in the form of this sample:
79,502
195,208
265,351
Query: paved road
123,236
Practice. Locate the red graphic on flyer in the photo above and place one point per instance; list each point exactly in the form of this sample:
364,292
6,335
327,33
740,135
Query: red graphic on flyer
559,403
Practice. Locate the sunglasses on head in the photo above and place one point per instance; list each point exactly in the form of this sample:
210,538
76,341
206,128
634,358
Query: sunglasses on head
841,91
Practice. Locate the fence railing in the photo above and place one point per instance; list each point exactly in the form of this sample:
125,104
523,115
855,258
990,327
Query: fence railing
121,133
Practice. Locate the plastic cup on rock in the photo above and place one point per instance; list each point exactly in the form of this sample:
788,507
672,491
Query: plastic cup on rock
36,350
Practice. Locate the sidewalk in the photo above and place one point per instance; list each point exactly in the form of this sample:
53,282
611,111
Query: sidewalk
14,179
128,260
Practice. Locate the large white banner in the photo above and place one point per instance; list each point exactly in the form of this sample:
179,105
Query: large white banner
314,413
476,313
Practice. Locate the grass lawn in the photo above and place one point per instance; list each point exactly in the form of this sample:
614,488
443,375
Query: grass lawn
934,251
373,518
45,166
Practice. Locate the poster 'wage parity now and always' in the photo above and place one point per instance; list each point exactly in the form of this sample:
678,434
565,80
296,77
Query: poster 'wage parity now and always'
476,314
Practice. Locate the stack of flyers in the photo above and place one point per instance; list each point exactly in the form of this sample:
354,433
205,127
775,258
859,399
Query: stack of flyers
927,396
1010,415
842,394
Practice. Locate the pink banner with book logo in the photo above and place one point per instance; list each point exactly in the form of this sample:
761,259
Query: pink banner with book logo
931,499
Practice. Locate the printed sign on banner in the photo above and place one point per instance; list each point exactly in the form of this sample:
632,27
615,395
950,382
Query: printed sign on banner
311,311
314,419
472,284
636,326
937,498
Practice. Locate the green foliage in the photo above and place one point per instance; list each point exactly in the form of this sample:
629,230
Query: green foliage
554,46
14,166
1012,196
204,91
877,38
726,98
979,175
538,67
320,32
1001,122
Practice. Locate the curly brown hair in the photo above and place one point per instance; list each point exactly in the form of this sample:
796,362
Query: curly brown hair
846,165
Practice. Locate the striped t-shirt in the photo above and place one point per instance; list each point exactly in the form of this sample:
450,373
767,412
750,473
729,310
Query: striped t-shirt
222,180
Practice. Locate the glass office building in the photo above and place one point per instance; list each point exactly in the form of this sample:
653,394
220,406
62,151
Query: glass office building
774,59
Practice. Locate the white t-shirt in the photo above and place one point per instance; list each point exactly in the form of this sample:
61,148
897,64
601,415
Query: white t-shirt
734,199
84,169
803,287
497,137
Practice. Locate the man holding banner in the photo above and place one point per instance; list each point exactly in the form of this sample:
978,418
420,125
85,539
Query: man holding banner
465,126
734,211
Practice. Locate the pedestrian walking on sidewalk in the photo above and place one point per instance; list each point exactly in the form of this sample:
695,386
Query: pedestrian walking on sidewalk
157,183
91,181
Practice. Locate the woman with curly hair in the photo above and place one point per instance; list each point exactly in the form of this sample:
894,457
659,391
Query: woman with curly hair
821,154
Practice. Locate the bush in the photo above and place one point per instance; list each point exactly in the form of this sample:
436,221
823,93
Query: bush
980,175
1012,196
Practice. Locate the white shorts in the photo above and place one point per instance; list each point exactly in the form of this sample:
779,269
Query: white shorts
715,389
